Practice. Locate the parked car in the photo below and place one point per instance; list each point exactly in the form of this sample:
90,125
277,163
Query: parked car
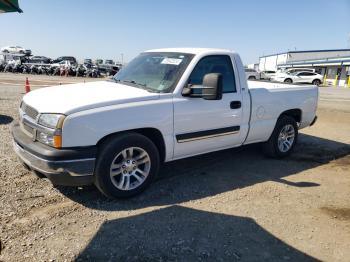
63,63
16,49
108,70
87,61
300,77
251,74
287,71
267,74
119,65
166,104
2,65
109,62
98,61
39,60
71,59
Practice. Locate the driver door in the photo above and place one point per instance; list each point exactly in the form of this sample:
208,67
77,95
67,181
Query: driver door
207,125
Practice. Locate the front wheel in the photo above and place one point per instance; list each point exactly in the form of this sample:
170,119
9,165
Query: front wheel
126,165
283,138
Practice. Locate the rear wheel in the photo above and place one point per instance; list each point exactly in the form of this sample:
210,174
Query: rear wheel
283,138
126,165
252,78
288,81
316,82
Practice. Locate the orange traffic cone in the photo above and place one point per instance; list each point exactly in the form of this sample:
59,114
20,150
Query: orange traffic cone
27,86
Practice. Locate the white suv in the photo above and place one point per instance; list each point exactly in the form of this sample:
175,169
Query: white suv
15,49
300,77
251,74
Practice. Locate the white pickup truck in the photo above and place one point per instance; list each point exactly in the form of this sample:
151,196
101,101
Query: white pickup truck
166,104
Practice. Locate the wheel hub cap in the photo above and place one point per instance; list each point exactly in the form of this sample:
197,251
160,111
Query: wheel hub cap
286,138
130,168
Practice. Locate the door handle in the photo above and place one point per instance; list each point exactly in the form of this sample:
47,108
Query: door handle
235,104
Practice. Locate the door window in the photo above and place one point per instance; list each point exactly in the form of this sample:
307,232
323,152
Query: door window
306,74
221,64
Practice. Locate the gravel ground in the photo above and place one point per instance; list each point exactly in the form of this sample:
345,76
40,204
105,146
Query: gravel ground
225,206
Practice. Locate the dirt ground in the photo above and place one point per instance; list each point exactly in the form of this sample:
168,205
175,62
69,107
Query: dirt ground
225,206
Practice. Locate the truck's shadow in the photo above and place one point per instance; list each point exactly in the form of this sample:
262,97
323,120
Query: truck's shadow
219,172
183,234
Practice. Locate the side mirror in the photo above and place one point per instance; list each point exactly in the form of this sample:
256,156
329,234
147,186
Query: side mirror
211,88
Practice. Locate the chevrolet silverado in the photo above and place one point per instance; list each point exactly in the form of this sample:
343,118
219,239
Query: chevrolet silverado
166,104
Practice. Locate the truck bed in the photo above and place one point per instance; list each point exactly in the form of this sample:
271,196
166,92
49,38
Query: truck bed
268,100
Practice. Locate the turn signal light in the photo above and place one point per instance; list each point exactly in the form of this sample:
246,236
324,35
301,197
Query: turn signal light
57,141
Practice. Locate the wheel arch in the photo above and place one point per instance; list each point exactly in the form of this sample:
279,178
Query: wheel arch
295,113
151,133
288,78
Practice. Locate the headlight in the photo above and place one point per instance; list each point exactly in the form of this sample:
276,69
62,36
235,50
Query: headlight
51,134
45,138
49,120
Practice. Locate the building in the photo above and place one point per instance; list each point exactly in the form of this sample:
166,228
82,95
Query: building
333,64
253,66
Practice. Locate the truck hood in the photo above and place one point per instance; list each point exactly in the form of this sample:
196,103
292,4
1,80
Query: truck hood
68,99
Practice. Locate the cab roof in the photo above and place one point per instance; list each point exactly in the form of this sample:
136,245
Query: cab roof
188,50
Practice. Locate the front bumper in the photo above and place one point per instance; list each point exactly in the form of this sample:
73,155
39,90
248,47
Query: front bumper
69,166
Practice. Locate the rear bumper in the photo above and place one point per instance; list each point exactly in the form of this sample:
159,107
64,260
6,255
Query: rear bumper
70,167
313,121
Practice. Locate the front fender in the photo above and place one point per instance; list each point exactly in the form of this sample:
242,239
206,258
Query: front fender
87,127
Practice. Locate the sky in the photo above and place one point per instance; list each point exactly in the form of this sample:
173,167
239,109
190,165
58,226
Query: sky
109,28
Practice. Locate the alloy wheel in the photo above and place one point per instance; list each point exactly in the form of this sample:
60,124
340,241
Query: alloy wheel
286,138
130,168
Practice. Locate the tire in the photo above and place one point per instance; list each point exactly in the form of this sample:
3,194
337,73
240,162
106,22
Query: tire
316,82
288,81
252,78
5,51
115,171
274,147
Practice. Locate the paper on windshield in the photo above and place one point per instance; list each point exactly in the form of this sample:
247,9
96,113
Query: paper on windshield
171,61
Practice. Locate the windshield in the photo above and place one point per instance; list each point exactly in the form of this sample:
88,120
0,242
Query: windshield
157,72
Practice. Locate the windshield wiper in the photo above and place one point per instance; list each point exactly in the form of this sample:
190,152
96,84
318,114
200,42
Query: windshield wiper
132,82
143,86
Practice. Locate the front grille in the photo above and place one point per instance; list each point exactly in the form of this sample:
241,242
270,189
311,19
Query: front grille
29,111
